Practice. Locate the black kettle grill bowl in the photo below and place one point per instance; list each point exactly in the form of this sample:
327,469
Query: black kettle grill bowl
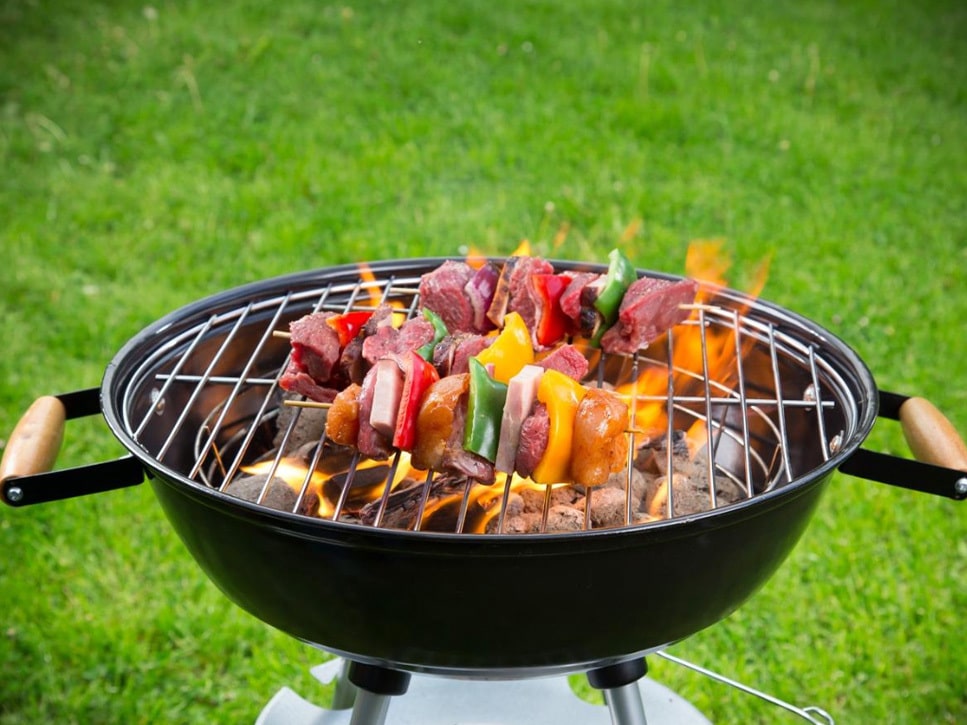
476,605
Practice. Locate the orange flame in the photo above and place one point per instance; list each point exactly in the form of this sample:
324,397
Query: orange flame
700,352
369,283
523,249
476,257
373,288
483,502
294,473
631,231
708,261
561,235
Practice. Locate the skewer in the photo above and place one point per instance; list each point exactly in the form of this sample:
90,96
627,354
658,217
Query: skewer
306,404
218,457
699,306
281,333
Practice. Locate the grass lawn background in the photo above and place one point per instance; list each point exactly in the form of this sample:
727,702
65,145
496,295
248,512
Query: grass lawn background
153,154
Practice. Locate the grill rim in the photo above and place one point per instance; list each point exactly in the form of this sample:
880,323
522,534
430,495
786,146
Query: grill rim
154,339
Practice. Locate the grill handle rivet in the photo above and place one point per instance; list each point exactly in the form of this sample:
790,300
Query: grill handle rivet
15,494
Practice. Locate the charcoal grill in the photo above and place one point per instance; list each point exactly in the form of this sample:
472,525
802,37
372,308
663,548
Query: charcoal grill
195,398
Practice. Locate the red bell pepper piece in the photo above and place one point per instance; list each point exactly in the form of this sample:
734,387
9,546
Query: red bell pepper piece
553,324
348,325
418,375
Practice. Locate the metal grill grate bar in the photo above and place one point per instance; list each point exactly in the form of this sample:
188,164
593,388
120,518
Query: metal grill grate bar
192,401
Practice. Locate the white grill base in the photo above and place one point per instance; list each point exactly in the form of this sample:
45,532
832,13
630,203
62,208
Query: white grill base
444,701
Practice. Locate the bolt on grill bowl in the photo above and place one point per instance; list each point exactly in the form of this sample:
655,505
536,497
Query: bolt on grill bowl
195,399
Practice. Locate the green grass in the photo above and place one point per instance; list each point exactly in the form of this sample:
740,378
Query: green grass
154,154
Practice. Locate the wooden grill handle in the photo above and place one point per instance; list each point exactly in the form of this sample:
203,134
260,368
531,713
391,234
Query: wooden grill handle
931,436
35,442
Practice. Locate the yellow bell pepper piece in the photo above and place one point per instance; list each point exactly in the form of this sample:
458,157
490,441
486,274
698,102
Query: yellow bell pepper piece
561,395
511,351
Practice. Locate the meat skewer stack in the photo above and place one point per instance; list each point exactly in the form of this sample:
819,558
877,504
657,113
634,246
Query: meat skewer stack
486,378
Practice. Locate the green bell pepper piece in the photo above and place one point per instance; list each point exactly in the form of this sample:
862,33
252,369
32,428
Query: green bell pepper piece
439,332
485,409
621,273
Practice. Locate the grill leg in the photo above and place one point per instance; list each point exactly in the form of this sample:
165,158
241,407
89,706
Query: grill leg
344,692
370,709
619,684
374,688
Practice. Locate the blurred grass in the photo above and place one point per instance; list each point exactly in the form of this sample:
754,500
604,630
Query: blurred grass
154,154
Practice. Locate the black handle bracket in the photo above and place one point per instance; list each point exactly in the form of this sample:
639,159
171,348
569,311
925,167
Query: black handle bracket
81,480
906,473
70,482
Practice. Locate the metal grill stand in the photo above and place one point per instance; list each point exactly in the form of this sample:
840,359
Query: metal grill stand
619,684
431,700
444,701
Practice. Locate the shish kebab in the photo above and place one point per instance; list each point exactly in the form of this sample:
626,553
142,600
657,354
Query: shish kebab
486,378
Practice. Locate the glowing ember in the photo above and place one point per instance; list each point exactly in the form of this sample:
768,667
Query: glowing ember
295,474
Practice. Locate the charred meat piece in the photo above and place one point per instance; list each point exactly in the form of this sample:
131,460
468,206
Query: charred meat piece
649,308
352,364
579,306
515,291
534,435
466,347
315,346
566,359
451,355
521,396
318,357
501,296
524,298
369,441
571,297
387,340
298,381
382,317
443,292
456,459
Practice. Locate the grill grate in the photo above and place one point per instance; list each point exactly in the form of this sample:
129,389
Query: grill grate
205,402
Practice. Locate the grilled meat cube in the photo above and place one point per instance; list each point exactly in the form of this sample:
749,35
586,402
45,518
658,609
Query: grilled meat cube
649,308
534,435
566,359
442,291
